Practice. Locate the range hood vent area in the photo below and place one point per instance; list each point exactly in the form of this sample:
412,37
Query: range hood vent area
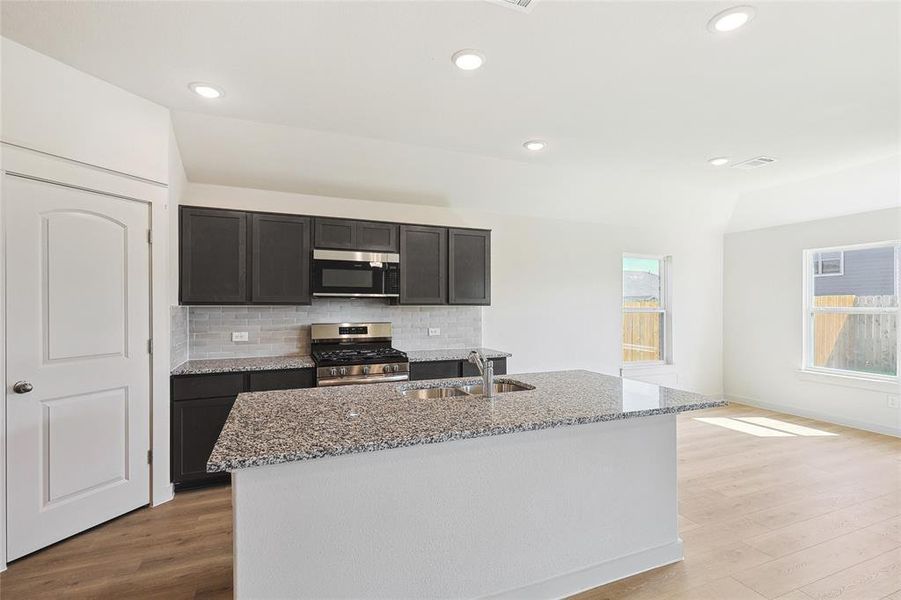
521,5
754,163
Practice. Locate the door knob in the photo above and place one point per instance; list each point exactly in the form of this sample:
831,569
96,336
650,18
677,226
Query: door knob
22,387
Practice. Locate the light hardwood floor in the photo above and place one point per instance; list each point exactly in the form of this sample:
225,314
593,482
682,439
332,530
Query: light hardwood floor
788,518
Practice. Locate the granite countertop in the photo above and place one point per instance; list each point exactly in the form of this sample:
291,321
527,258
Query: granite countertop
266,428
452,354
239,365
300,361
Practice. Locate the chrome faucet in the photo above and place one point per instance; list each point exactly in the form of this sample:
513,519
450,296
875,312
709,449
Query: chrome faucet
486,370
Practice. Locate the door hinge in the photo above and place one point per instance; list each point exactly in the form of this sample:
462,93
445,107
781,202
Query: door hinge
150,457
149,236
150,346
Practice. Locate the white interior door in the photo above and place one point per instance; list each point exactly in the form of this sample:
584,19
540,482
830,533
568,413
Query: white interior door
78,324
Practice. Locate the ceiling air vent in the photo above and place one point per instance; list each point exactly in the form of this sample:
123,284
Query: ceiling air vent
754,163
522,5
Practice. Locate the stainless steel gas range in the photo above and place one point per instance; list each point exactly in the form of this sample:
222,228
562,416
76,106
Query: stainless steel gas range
349,353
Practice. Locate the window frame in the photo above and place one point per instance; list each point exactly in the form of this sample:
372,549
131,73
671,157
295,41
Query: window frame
665,309
809,310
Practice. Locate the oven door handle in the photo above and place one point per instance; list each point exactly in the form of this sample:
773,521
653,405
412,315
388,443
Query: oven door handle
354,380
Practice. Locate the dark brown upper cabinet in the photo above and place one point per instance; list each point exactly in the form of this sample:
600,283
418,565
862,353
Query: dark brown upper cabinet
213,256
376,237
423,265
344,234
469,266
280,254
237,257
334,233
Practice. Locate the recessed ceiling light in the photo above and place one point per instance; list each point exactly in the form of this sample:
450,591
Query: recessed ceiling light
468,60
719,161
205,90
535,145
731,19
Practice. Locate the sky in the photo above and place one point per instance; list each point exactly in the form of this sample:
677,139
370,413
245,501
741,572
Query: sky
647,265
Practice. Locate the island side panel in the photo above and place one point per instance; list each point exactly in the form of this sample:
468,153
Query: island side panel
533,514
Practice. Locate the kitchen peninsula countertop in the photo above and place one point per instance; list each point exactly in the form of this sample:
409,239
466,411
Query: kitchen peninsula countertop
266,428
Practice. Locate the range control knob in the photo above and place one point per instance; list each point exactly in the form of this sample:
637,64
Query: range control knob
394,368
365,369
387,368
333,371
342,371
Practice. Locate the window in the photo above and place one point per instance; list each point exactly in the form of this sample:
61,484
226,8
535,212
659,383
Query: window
645,310
828,264
851,310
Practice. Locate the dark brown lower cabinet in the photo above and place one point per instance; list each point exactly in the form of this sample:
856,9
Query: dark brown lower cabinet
196,425
201,403
448,369
200,407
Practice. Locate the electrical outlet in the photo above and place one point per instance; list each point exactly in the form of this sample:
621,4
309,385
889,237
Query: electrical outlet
434,331
893,402
239,336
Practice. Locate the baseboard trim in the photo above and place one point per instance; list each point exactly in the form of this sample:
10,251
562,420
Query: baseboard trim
600,574
168,493
812,414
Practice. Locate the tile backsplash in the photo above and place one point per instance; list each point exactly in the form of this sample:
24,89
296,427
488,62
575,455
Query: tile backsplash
178,335
280,330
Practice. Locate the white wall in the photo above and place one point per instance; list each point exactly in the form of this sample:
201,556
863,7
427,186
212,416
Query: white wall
51,107
94,132
856,189
763,321
556,285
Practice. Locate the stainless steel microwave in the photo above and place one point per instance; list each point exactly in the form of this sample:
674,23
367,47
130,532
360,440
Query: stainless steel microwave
351,274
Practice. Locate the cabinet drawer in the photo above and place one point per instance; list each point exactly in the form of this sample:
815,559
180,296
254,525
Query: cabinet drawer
190,387
442,369
281,380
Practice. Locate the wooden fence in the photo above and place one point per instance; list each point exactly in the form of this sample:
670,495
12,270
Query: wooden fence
642,333
855,342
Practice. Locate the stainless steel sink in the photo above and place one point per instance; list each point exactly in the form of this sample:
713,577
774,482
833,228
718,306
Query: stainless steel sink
474,389
436,392
477,389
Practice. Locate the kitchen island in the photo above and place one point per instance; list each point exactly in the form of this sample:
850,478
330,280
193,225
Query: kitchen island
365,492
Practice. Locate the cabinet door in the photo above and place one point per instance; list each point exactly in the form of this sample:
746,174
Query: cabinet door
337,234
469,266
196,425
213,256
437,369
264,381
423,265
281,259
376,237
